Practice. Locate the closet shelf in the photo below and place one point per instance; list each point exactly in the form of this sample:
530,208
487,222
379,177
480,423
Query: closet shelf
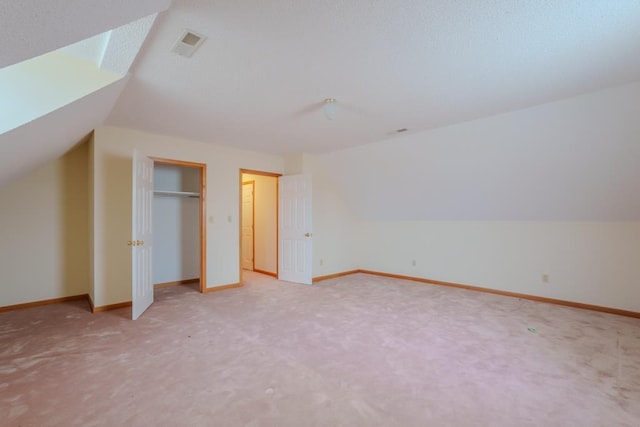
176,194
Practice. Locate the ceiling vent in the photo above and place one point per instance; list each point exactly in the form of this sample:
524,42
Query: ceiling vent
188,43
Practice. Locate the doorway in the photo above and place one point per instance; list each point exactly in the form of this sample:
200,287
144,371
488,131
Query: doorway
259,222
179,223
248,220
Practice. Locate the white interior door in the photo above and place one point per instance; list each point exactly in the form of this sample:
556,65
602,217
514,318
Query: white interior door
142,239
247,225
294,229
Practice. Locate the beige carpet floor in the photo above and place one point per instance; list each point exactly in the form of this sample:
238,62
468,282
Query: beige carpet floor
355,351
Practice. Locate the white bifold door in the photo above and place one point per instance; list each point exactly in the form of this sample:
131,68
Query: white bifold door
295,236
142,239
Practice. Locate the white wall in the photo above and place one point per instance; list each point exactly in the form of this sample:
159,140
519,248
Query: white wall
571,160
44,247
176,239
176,225
359,220
266,221
176,178
112,204
588,262
500,201
334,224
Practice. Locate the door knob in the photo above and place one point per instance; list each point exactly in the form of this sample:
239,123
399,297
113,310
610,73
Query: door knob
307,234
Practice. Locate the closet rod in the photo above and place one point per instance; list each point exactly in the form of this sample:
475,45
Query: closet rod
176,194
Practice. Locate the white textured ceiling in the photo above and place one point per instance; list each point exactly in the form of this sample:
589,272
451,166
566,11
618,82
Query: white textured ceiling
259,79
114,50
125,43
62,101
29,28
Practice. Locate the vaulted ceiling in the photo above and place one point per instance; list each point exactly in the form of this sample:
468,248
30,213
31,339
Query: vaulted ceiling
33,27
51,100
260,78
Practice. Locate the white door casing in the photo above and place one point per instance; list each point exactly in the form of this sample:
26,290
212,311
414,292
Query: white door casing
247,225
142,237
295,239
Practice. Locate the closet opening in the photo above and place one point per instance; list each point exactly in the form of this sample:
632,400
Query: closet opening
259,222
179,224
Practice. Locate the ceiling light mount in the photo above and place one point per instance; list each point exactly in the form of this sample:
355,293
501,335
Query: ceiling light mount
329,108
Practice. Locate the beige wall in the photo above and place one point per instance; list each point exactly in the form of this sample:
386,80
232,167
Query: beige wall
335,242
571,160
500,201
360,220
266,222
588,262
113,153
44,244
90,214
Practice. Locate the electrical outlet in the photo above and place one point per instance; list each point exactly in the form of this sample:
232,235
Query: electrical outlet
545,278
413,262
321,261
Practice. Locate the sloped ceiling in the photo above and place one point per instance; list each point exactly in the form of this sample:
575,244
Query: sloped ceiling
33,27
56,104
259,79
28,146
40,85
570,160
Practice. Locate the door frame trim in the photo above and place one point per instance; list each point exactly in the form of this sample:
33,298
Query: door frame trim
203,211
261,173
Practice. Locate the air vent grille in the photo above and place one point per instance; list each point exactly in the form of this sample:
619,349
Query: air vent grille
188,43
191,39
